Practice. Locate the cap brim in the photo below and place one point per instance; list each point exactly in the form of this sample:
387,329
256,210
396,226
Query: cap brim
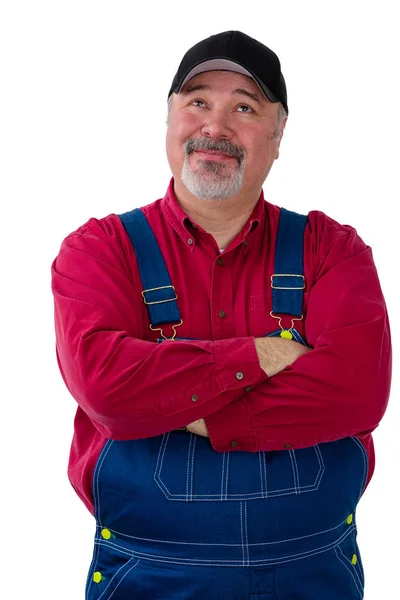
222,64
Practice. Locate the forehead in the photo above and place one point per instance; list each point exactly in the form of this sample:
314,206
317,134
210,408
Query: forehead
225,81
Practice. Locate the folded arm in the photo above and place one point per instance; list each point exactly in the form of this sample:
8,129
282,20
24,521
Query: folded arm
274,354
339,388
131,388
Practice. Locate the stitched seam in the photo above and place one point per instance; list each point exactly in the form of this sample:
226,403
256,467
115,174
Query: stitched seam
232,497
245,531
238,562
241,535
297,489
353,568
192,466
294,471
188,466
96,498
113,577
91,571
255,544
343,560
364,455
261,476
222,475
265,474
228,458
159,455
96,476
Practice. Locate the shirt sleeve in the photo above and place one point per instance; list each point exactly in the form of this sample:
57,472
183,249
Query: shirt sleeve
131,388
341,387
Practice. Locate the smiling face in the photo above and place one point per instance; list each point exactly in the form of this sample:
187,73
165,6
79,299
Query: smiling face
222,136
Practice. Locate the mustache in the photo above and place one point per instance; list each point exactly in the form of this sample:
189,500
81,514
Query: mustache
223,146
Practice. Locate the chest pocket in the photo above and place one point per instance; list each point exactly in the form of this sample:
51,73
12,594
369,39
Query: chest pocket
188,469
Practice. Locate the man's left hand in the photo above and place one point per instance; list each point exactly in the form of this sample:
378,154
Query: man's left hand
198,427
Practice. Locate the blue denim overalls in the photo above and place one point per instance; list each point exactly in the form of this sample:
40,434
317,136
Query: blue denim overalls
177,520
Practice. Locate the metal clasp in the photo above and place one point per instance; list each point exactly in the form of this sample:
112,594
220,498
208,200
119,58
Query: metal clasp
280,321
173,327
274,287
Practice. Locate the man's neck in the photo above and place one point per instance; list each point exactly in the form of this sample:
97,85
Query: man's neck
223,219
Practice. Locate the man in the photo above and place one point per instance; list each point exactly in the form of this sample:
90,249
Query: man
230,360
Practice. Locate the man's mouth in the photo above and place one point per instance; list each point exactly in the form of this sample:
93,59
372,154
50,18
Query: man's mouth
213,155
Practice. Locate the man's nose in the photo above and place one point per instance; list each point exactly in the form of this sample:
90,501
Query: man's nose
217,126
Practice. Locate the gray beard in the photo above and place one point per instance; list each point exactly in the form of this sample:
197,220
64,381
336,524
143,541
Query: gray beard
212,180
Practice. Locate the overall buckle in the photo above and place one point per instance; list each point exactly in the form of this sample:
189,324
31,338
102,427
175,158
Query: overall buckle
275,287
164,287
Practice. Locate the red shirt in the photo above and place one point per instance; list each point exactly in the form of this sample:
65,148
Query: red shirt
128,387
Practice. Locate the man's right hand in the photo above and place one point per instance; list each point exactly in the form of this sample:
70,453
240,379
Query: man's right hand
276,353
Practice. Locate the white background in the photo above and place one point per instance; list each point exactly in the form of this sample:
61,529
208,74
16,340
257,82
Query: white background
83,108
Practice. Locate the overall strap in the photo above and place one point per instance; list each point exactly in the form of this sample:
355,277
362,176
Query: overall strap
158,293
288,280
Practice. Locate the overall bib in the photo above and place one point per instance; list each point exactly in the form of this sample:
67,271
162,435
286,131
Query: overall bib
176,520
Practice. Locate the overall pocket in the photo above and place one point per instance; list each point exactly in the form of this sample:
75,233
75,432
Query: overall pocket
188,469
111,573
349,563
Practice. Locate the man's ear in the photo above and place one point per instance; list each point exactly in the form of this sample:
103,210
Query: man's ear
281,136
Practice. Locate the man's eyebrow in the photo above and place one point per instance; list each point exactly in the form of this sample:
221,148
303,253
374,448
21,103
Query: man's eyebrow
255,97
189,88
192,87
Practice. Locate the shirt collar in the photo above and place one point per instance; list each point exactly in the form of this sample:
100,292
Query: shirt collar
185,228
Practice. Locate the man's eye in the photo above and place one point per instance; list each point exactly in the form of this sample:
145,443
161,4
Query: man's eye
247,109
198,102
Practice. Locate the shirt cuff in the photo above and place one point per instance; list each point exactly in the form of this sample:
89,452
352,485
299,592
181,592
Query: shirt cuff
237,364
230,428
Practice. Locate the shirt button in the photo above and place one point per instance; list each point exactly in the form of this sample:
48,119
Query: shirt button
239,375
220,262
194,397
190,241
287,446
234,444
222,314
247,388
246,242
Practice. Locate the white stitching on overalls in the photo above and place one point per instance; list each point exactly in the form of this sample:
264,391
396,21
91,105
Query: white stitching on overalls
223,495
92,570
364,455
192,466
122,578
239,563
222,475
166,437
228,457
351,570
191,436
295,472
241,535
96,475
247,539
96,498
159,454
261,476
265,474
178,543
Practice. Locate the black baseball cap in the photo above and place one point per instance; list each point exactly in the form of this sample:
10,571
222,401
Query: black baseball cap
238,52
